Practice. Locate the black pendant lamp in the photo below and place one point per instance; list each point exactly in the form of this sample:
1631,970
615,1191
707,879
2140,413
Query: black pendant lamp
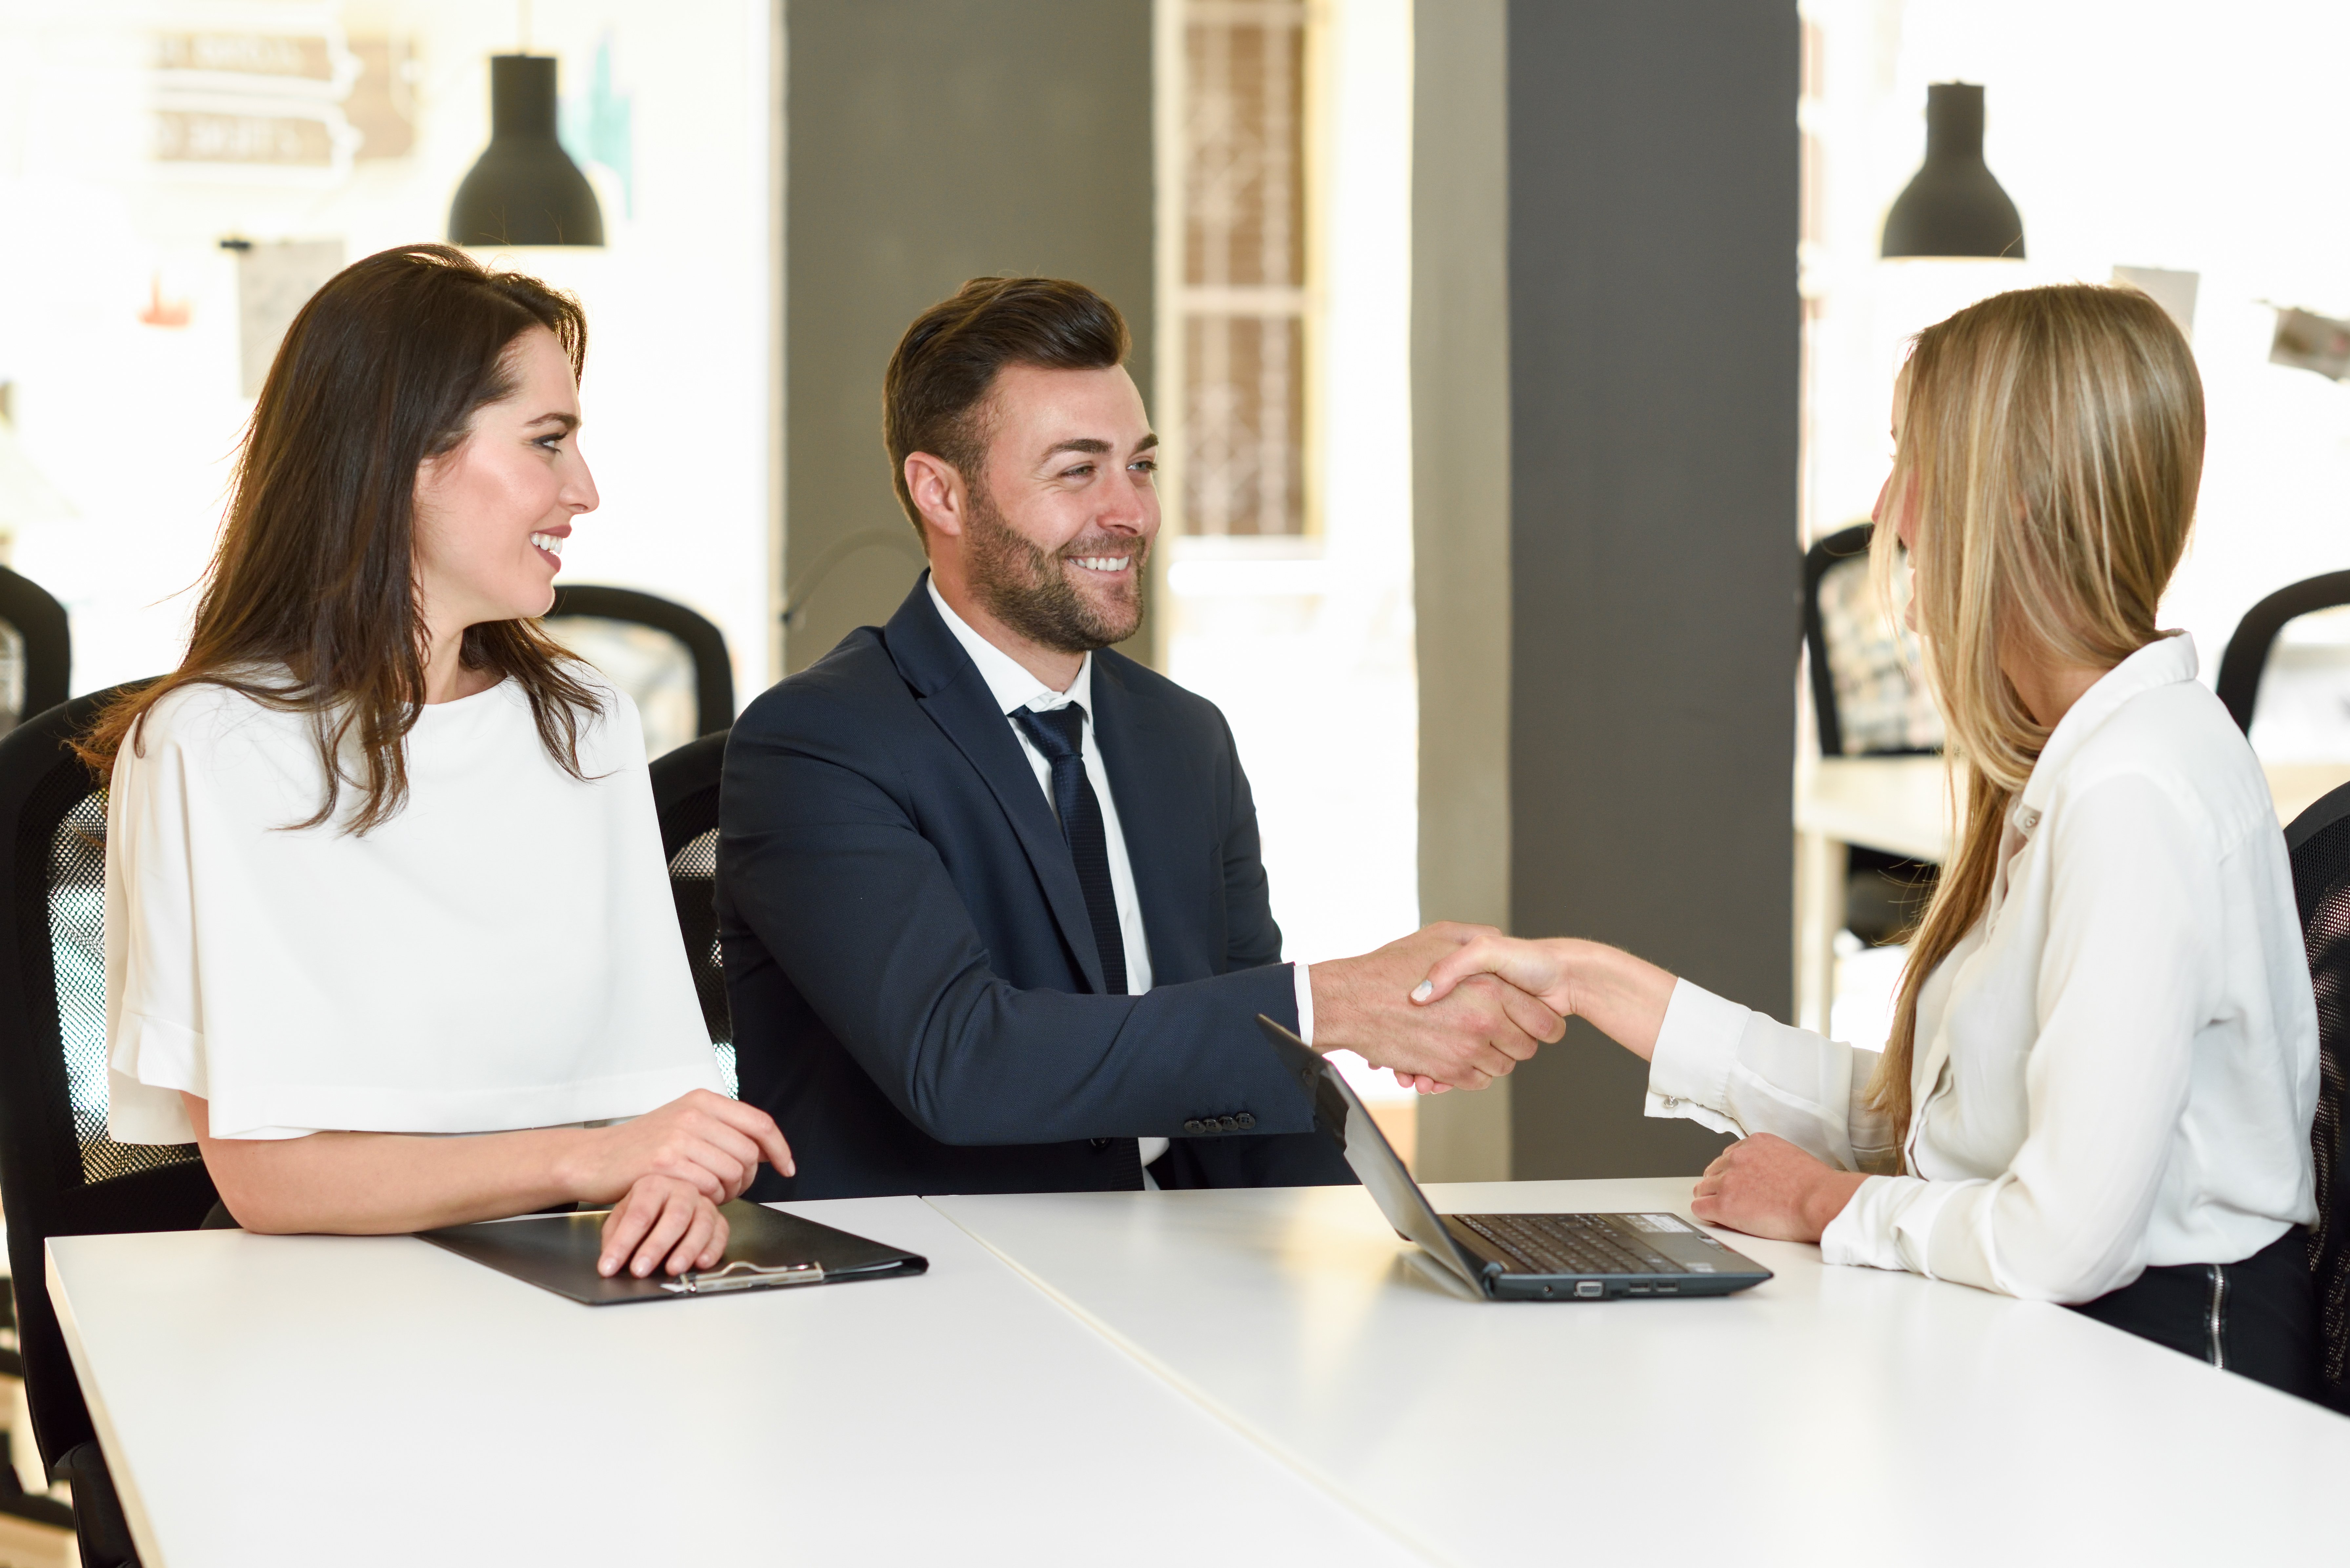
524,190
1953,206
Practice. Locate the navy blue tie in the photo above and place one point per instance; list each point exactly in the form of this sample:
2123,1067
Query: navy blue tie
1059,736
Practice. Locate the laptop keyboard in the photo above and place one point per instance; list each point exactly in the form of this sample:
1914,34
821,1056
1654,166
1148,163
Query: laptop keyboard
1568,1244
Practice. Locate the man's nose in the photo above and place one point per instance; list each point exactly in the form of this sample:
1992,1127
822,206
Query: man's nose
1128,508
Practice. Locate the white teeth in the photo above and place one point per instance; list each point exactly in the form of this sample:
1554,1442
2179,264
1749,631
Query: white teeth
1104,563
550,543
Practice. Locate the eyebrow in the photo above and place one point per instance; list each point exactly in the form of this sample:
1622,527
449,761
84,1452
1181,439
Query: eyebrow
568,422
1096,447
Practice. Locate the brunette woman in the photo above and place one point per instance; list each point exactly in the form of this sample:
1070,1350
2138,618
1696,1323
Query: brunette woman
382,864
2100,1082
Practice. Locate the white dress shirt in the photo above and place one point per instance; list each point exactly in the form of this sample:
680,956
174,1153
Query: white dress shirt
2117,1067
1014,688
501,954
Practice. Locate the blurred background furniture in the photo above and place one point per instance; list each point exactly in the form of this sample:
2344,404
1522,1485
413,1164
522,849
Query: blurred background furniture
60,1174
35,649
2319,843
1879,734
685,795
2285,676
671,661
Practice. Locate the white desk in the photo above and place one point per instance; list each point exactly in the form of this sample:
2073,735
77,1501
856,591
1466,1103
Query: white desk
268,1400
1830,1416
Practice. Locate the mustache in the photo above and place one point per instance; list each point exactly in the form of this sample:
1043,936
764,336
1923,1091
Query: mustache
1106,544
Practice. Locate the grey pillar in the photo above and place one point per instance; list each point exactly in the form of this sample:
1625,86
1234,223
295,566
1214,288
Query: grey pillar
1653,378
930,141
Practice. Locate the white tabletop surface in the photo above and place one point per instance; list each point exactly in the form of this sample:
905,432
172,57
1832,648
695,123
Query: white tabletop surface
314,1400
1832,1415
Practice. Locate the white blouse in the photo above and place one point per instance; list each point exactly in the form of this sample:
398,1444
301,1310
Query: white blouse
502,953
2117,1065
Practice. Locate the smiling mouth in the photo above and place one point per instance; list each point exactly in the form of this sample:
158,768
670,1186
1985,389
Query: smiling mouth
551,546
1107,563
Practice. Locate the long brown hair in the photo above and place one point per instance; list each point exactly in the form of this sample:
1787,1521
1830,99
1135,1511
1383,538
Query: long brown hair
309,603
2052,449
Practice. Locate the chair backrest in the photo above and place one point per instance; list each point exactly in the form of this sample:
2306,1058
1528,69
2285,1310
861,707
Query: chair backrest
60,1174
35,649
2247,657
685,795
2318,843
669,661
1864,695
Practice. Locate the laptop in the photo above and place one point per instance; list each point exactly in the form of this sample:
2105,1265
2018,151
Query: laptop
1516,1257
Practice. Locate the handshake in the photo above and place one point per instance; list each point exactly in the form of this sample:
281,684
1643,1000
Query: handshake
1449,1006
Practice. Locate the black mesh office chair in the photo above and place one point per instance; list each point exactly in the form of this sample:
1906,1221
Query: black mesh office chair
611,628
685,795
1884,893
60,1174
2247,658
35,649
2319,843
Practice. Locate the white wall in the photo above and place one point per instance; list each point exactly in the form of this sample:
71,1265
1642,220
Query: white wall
2167,133
138,424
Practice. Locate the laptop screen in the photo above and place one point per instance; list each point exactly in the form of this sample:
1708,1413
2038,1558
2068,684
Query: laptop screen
1339,1113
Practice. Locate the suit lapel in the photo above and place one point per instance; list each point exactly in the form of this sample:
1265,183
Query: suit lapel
949,689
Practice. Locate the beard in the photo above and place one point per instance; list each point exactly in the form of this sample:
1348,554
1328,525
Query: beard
1028,589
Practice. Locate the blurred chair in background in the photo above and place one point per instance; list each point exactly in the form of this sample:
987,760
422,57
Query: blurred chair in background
2285,676
60,1174
36,650
2319,843
1870,700
685,795
670,661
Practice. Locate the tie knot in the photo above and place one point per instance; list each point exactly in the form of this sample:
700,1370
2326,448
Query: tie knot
1059,734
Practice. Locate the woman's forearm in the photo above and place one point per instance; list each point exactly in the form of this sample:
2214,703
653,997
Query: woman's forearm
1622,996
366,1184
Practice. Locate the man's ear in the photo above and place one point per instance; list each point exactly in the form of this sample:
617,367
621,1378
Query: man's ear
938,491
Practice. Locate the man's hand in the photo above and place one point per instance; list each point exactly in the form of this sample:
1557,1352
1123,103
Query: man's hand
1476,1034
1767,1187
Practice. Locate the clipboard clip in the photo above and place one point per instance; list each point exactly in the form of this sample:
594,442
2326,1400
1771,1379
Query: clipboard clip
743,1275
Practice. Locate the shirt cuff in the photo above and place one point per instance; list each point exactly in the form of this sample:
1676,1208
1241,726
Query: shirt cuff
1688,1072
1305,1002
1888,1224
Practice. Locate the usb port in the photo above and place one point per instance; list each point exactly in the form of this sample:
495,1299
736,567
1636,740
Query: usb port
1589,1289
1636,1290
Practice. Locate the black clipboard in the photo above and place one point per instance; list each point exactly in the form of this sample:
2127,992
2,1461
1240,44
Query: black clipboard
765,1250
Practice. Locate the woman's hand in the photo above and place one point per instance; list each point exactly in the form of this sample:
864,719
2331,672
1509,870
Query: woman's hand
661,1223
711,1143
1622,996
1767,1187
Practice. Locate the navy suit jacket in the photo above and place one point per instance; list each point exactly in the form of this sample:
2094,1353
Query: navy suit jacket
916,995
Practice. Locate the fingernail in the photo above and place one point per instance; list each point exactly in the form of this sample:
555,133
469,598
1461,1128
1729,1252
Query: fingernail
605,1266
1423,991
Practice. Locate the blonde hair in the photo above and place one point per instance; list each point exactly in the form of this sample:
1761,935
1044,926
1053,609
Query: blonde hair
2050,453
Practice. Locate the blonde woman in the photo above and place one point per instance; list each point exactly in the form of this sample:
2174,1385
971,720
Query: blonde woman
2104,1064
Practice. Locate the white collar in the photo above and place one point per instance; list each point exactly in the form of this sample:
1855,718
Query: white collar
2165,661
1012,683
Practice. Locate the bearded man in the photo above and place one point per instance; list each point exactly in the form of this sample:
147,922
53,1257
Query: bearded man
989,895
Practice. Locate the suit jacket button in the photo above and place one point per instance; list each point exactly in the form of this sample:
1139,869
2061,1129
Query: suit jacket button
1246,1121
1193,1125
1230,1124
